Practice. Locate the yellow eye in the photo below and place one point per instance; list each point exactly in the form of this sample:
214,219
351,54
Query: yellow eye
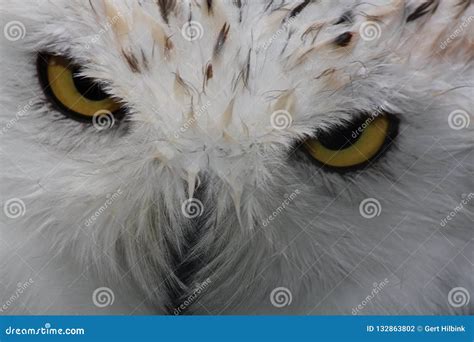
353,145
76,96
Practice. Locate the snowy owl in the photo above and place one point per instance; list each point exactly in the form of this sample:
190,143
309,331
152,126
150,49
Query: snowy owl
236,157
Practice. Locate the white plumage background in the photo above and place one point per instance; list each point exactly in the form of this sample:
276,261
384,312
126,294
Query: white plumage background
201,200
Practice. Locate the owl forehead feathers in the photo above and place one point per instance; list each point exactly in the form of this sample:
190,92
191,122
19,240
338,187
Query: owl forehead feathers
224,67
204,79
192,52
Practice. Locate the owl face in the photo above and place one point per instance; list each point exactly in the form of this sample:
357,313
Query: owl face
252,146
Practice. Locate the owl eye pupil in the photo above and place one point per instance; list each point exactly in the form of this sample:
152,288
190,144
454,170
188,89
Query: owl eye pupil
88,88
340,137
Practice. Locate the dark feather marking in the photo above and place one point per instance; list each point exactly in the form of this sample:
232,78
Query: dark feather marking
287,40
343,39
244,74
269,5
132,61
297,10
166,6
209,6
238,3
92,6
144,59
423,9
209,72
346,17
183,83
190,17
312,28
464,4
247,68
221,39
325,73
